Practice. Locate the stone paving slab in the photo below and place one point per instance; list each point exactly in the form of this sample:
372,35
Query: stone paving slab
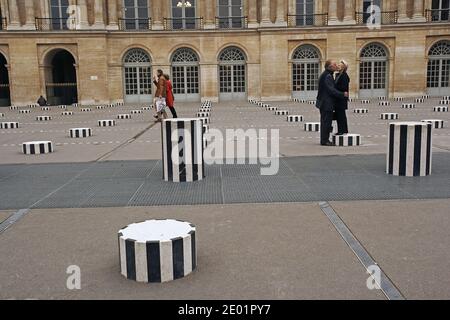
244,252
409,239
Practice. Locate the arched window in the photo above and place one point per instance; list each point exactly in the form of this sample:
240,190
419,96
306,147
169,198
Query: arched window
4,83
438,70
185,75
232,74
137,76
373,71
305,72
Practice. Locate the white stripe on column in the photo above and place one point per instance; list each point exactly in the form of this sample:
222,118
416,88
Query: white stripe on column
165,155
166,261
423,151
187,253
140,250
410,150
396,151
188,151
123,257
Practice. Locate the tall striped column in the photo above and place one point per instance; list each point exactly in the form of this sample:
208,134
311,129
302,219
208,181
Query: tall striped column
409,149
182,141
157,251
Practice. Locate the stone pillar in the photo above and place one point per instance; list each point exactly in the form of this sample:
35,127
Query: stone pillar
265,14
30,23
402,7
418,15
210,10
99,20
14,18
4,6
332,12
349,12
113,23
252,14
281,14
157,18
83,23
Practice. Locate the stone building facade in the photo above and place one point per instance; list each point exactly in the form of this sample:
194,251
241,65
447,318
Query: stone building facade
102,51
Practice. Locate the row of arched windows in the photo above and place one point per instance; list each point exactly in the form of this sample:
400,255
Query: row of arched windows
373,74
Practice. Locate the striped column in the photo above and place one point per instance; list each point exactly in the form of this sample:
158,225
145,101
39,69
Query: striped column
409,149
437,124
347,140
295,118
80,132
182,141
37,147
282,112
9,125
157,251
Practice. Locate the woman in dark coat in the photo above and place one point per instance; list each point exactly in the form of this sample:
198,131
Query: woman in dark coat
343,85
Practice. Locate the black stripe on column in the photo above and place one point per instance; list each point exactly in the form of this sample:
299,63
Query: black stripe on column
350,141
24,148
428,169
153,261
403,149
169,149
194,148
417,150
50,149
182,151
178,258
131,259
32,149
194,250
391,148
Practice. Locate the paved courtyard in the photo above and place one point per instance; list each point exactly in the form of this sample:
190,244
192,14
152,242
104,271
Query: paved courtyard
259,237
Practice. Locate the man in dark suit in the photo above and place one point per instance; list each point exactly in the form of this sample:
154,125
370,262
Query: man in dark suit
326,101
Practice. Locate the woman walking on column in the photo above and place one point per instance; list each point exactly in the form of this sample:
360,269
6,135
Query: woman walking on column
170,97
343,85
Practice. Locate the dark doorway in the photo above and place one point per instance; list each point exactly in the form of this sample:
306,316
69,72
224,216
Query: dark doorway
61,85
5,97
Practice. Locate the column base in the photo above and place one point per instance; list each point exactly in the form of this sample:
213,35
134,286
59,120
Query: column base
253,25
404,20
98,26
112,27
158,26
28,27
419,18
209,26
349,21
334,22
14,26
280,24
266,23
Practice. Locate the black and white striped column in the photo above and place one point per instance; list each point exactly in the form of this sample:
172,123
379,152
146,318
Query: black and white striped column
282,112
399,99
25,111
85,109
106,123
365,101
361,111
67,113
157,251
347,140
182,141
203,114
124,116
409,149
384,103
445,102
136,111
437,124
45,108
37,147
295,118
440,109
420,100
9,125
408,105
80,132
312,126
43,118
2,115
389,116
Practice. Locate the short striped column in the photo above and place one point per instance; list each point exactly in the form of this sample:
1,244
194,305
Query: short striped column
270,108
347,140
205,120
204,110
312,126
282,113
100,107
136,111
146,108
426,96
80,132
25,111
361,111
445,102
437,124
389,116
295,118
365,101
62,107
382,98
312,102
440,109
408,105
13,108
157,251
2,115
33,105
205,129
37,147
399,99
67,113
420,100
203,114
45,109
9,125
182,141
384,103
43,118
446,98
124,116
106,123
409,149
85,109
